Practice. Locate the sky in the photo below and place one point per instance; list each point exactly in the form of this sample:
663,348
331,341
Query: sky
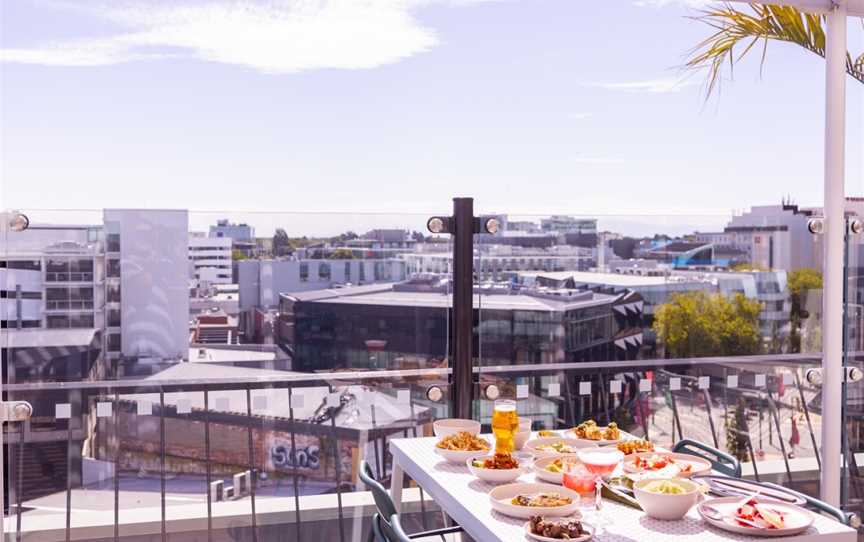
323,116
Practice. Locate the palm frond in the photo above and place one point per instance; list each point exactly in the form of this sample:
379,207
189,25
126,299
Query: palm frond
734,28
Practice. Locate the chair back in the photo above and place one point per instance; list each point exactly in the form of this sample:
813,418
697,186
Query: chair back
846,518
720,460
383,502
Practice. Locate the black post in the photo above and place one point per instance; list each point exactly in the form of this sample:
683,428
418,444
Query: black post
463,317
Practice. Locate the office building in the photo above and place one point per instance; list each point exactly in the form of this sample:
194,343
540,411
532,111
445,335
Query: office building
406,326
237,232
210,260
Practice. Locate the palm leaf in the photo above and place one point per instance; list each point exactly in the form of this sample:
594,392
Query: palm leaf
734,28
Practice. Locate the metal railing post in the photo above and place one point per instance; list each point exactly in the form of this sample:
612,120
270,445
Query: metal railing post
463,319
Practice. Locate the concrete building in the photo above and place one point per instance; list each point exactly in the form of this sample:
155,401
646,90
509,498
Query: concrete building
238,232
569,224
771,237
261,281
125,280
210,259
499,262
405,325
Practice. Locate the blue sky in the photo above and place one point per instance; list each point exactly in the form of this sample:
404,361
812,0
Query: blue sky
394,106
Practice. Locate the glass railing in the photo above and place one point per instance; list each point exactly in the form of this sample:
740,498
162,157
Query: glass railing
196,406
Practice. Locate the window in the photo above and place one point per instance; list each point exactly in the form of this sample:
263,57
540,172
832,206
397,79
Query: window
112,242
304,272
113,268
24,265
113,293
13,294
113,318
114,342
81,320
347,271
324,271
13,324
57,321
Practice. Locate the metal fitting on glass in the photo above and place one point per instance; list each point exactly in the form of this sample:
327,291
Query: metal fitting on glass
856,226
813,377
816,225
434,394
854,520
854,374
17,411
492,392
491,225
18,221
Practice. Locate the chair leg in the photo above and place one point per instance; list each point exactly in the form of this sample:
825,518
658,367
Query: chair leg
371,536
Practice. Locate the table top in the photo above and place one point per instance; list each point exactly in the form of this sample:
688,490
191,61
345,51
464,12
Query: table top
465,499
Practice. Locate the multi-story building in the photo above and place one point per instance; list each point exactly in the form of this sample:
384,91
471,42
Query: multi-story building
498,262
406,326
261,281
210,259
125,280
238,232
569,224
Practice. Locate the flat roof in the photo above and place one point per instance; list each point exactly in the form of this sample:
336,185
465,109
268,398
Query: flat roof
612,279
228,355
491,301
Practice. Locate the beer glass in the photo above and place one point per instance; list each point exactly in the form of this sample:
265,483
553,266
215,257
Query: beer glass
505,424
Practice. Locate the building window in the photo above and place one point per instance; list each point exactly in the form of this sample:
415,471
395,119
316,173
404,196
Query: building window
113,293
13,324
347,271
324,271
24,265
113,269
57,321
114,342
112,242
304,272
113,318
81,320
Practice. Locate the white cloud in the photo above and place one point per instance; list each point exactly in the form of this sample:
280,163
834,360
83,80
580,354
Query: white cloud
656,86
578,116
272,36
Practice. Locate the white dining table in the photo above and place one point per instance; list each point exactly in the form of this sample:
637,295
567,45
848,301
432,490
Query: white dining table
465,499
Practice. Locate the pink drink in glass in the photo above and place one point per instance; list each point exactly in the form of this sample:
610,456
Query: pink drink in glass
601,461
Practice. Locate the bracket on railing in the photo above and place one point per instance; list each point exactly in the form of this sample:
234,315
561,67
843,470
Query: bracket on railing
852,374
16,411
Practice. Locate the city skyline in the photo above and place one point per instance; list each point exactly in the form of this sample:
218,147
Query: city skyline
453,99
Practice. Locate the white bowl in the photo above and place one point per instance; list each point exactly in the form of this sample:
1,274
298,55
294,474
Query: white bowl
552,477
500,499
496,476
663,505
458,456
532,445
451,426
523,434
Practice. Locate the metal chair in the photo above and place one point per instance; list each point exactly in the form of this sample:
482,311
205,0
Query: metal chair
720,460
846,518
383,530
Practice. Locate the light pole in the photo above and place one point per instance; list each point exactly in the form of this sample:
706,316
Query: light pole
836,12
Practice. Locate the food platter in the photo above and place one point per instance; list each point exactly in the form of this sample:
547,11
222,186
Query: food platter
502,497
587,536
541,468
666,464
796,519
546,446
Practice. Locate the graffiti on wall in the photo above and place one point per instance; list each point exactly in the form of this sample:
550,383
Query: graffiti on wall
284,456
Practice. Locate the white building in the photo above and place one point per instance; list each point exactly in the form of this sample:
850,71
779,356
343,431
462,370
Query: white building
261,281
124,281
568,224
210,259
498,262
238,232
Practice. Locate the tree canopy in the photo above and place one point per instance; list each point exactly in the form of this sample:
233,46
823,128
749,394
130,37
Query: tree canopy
697,324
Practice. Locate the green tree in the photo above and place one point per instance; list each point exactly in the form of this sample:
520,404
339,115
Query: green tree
341,254
697,324
736,431
746,266
238,255
799,283
733,27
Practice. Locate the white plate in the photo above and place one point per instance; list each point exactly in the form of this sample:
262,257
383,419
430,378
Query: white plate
495,476
456,456
532,445
700,466
582,538
500,498
797,519
552,477
451,426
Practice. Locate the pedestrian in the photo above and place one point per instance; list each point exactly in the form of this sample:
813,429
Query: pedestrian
795,437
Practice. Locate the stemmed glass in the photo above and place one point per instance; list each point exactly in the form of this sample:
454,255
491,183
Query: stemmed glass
601,462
